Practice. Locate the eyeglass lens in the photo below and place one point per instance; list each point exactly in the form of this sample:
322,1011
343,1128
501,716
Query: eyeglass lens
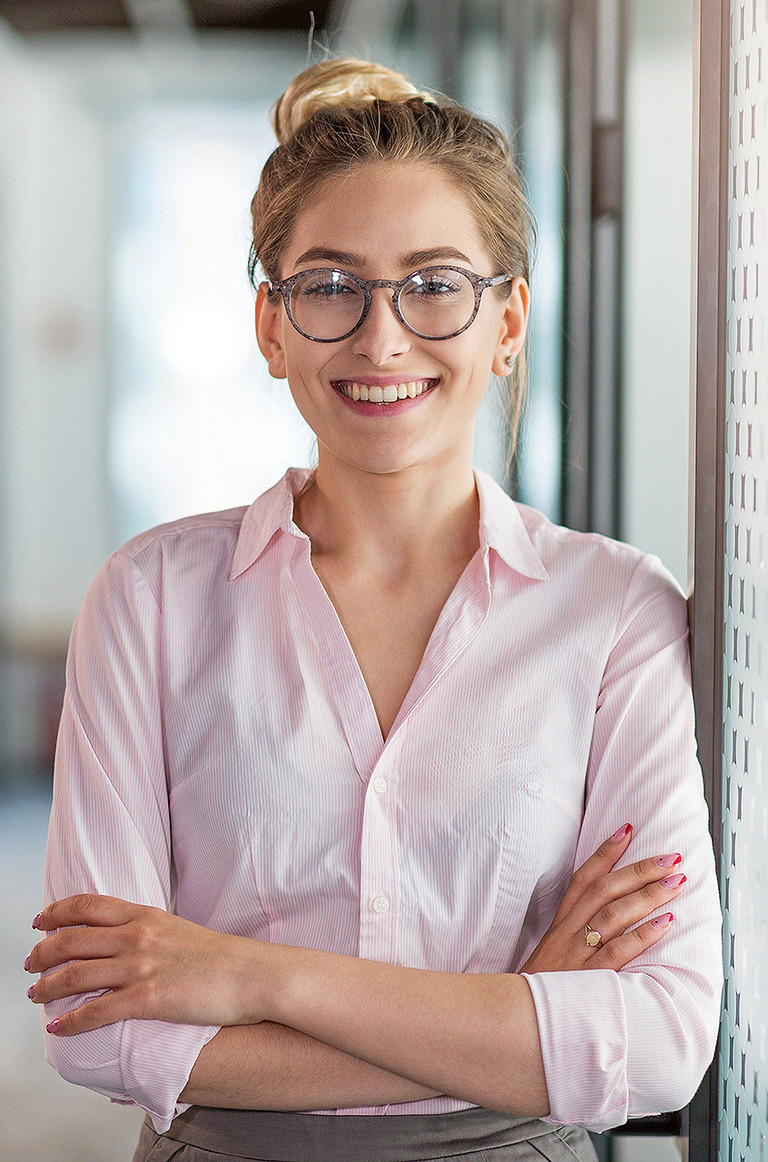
328,304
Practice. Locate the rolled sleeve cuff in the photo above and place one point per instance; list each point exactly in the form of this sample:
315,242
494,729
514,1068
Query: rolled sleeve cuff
586,1073
157,1059
141,1063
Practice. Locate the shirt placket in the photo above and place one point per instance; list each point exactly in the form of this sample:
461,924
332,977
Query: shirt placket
380,895
379,862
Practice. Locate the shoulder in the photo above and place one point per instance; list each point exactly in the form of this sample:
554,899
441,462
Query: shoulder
185,554
215,545
592,568
558,545
187,533
533,545
560,548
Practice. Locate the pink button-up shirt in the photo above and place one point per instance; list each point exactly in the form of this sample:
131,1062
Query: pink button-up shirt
219,755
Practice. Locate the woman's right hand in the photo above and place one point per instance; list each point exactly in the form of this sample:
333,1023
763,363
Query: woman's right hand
608,902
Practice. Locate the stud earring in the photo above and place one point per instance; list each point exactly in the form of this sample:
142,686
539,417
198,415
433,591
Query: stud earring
509,360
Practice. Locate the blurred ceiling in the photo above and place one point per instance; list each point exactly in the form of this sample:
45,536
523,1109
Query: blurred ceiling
39,17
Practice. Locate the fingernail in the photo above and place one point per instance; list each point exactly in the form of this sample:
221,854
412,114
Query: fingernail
669,860
662,921
674,881
37,919
31,992
28,964
53,1026
622,833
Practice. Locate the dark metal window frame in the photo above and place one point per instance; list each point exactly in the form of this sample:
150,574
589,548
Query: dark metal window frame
707,526
591,379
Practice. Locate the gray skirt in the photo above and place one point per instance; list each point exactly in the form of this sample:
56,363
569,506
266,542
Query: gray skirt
475,1135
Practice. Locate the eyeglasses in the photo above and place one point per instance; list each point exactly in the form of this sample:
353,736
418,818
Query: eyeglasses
438,302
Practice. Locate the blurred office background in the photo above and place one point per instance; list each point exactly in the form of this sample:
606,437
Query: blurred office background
132,133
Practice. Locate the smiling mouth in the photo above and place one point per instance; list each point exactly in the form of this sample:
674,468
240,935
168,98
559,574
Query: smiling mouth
383,393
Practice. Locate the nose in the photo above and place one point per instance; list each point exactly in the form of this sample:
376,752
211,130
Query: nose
381,336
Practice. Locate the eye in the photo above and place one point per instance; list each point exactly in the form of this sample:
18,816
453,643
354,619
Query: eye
325,285
432,285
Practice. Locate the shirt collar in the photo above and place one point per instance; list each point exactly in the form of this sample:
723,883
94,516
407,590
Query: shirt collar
501,526
273,510
502,529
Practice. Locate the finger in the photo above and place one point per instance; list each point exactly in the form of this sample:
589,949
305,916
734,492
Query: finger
620,951
86,908
92,1014
598,864
614,919
74,944
606,897
83,976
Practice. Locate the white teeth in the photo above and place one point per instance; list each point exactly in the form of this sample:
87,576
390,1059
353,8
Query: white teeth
390,393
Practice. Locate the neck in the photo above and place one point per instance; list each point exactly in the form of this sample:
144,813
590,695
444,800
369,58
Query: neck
392,523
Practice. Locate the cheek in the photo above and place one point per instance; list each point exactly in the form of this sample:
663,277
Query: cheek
302,399
308,386
304,362
476,354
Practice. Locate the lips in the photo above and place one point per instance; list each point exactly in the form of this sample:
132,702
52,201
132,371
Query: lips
383,393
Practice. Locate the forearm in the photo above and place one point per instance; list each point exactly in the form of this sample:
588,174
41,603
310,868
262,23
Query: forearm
470,1036
269,1066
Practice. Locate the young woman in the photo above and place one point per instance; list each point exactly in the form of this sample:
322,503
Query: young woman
327,764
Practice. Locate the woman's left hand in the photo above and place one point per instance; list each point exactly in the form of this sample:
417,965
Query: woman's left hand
155,964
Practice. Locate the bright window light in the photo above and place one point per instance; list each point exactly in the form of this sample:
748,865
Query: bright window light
196,422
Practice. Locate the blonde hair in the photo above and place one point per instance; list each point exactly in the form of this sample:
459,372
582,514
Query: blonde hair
339,115
349,84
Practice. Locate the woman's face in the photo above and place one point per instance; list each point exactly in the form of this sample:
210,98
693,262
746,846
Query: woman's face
386,221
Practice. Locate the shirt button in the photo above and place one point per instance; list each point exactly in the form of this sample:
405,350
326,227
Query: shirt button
380,903
379,784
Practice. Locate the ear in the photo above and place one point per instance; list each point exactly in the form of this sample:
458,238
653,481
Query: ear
514,323
269,331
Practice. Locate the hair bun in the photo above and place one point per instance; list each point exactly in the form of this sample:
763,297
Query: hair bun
345,83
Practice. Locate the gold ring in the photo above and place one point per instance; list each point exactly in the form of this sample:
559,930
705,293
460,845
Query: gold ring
592,936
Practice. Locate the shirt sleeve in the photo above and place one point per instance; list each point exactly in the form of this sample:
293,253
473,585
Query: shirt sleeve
637,1042
110,827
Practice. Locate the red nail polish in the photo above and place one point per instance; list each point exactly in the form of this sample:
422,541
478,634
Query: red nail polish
28,964
37,919
31,992
670,860
674,881
622,833
53,1026
662,921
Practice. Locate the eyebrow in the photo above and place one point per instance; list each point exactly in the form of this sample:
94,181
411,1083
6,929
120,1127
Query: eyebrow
419,257
411,260
341,257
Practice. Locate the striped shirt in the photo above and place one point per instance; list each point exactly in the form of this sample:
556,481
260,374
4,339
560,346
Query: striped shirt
219,755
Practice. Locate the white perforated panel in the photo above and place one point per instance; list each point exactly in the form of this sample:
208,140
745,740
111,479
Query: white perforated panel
744,1036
